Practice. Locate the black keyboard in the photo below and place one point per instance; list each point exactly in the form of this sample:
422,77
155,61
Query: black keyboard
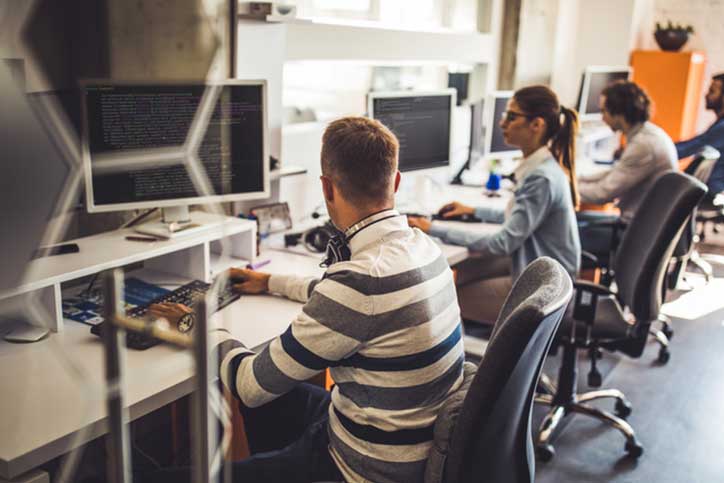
187,294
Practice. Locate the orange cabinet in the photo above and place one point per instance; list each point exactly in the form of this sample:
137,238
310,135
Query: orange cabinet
674,81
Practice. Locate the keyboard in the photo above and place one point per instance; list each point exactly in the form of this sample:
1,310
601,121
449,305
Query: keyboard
187,294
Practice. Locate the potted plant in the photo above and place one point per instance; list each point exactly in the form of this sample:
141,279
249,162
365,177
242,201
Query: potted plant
672,36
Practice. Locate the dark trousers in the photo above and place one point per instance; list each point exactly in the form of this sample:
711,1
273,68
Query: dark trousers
288,440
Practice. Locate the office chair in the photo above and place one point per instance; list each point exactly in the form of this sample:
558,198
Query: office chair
483,432
602,261
598,319
711,209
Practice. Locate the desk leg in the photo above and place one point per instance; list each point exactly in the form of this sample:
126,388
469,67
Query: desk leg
175,421
239,449
328,381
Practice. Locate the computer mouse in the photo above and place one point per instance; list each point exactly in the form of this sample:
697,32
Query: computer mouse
465,217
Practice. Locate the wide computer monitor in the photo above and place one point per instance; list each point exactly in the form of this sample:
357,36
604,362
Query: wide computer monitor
495,146
138,135
594,80
422,122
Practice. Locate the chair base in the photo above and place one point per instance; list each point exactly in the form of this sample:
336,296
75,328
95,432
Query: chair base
545,450
703,266
564,399
663,337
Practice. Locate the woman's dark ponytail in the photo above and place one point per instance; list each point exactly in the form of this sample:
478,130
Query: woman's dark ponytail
561,128
563,148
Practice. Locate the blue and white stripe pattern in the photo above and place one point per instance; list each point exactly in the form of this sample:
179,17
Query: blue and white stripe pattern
387,323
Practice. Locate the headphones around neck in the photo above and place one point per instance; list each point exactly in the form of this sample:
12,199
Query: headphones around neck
328,239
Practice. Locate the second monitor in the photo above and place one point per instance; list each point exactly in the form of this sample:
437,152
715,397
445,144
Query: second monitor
422,122
594,80
495,145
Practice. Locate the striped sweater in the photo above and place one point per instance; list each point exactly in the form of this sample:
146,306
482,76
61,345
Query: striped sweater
387,324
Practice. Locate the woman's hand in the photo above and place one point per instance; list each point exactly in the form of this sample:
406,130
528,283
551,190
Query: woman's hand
454,209
248,281
419,222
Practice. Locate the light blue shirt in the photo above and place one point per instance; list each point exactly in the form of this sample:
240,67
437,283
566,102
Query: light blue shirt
541,221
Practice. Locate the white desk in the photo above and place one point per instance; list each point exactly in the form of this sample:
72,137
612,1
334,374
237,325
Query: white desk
47,408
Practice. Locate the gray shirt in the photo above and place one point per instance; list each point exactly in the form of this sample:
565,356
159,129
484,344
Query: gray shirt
540,222
648,154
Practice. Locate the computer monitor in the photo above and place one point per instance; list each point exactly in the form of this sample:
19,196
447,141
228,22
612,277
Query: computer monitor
137,135
459,81
594,80
495,146
422,122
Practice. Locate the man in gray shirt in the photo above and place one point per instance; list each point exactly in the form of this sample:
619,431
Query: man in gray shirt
649,153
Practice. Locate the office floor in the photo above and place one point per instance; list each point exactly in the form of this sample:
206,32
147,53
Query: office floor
678,410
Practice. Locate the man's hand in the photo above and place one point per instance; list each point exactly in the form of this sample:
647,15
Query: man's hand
169,311
249,281
456,209
419,222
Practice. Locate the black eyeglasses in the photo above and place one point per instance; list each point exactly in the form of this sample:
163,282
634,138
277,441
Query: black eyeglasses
510,116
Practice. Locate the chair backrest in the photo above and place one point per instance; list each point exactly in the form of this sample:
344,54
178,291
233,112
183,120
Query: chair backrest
700,168
685,245
649,241
492,440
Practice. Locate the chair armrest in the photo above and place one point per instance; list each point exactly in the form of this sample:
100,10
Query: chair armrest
614,222
588,259
594,288
585,300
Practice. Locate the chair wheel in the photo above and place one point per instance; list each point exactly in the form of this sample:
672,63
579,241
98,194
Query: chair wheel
545,452
664,355
668,332
634,449
594,379
623,408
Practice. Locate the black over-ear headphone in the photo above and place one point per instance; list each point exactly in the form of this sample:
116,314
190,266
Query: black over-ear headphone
317,238
325,238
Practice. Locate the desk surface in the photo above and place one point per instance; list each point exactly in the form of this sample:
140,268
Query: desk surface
53,390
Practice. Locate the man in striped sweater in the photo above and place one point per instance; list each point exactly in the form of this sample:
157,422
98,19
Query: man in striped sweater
384,319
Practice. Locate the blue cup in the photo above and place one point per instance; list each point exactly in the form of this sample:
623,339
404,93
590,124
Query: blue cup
493,183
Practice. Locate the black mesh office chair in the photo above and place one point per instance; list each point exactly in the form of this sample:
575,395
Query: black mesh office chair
711,209
483,433
686,251
598,320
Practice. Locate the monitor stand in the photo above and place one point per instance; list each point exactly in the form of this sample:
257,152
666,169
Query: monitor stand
176,221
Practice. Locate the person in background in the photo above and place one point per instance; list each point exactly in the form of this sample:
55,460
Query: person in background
384,319
714,136
539,220
649,152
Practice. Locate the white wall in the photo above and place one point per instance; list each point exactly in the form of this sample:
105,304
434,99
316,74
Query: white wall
707,18
559,38
536,42
564,79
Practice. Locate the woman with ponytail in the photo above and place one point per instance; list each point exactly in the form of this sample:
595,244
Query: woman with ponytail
540,219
